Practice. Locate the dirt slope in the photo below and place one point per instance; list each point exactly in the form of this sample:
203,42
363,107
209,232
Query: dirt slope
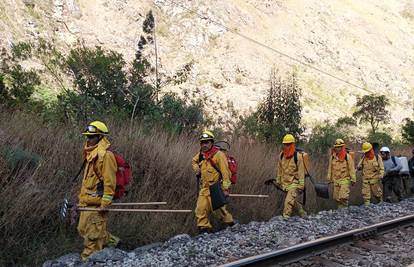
368,43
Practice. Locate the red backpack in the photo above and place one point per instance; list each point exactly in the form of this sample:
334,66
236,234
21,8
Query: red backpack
123,175
232,166
233,169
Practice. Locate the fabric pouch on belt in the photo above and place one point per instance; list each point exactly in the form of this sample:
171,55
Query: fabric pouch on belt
218,199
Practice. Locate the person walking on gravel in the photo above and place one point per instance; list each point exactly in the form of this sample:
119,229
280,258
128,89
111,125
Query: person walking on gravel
291,176
341,172
392,180
372,173
98,189
210,165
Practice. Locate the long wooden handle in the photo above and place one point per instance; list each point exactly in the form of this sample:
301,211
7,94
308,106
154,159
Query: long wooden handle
244,195
139,203
134,210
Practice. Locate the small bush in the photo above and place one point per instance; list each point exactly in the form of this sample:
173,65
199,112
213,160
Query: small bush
382,138
323,137
21,50
408,131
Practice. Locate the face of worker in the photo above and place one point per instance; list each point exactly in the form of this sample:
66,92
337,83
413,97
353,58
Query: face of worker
287,145
92,140
206,145
385,155
338,149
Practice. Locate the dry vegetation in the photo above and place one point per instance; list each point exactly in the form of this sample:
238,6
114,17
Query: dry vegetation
30,196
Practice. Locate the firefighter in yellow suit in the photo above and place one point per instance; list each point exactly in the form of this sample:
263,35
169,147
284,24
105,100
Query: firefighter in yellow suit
98,188
208,174
291,176
372,174
341,172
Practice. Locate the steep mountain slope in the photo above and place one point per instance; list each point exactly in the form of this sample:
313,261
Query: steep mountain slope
367,43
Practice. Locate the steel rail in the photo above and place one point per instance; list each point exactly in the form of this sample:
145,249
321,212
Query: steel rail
314,247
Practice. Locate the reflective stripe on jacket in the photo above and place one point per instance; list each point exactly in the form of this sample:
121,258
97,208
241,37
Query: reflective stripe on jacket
289,174
372,169
341,172
100,170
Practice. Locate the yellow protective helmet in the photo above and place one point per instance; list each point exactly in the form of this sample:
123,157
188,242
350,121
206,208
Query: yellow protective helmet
339,142
366,147
96,127
206,135
288,139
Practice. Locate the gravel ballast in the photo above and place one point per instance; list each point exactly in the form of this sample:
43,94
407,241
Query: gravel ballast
243,240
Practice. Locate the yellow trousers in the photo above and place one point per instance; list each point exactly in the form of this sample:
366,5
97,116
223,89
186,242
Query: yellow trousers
371,189
341,194
204,209
292,202
92,227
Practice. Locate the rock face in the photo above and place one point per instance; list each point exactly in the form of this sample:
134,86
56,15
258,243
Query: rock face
368,43
242,241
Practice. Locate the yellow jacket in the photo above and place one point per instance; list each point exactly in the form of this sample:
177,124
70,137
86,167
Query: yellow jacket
209,175
341,172
289,174
100,171
372,170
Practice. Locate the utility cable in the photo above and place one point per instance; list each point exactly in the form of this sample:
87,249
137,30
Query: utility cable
271,48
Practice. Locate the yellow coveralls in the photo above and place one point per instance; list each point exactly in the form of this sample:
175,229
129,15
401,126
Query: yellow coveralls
341,174
372,173
291,178
100,171
209,176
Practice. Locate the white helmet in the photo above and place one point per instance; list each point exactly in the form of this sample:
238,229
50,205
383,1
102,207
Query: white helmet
385,149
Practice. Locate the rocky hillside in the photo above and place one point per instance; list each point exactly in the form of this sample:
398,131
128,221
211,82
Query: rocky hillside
368,43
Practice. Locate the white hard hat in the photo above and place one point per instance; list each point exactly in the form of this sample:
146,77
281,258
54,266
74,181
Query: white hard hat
385,149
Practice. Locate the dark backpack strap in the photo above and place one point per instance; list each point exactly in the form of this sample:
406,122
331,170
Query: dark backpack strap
214,166
394,161
79,172
295,158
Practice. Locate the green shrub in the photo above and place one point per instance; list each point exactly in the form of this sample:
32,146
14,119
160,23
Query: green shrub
382,138
279,113
21,50
17,86
178,116
16,157
323,137
408,131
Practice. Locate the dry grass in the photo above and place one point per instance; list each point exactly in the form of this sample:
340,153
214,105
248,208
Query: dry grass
30,197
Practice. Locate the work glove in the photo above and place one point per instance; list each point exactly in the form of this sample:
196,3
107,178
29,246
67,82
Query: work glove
226,192
105,202
270,181
353,181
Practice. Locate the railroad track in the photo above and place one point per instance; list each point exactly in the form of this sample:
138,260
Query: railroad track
311,248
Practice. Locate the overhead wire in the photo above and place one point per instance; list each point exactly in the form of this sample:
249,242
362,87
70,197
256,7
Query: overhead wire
271,48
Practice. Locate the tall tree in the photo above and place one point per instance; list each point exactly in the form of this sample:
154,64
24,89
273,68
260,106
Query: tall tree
372,109
279,113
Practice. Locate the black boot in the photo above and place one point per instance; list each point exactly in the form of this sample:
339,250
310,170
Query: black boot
203,230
